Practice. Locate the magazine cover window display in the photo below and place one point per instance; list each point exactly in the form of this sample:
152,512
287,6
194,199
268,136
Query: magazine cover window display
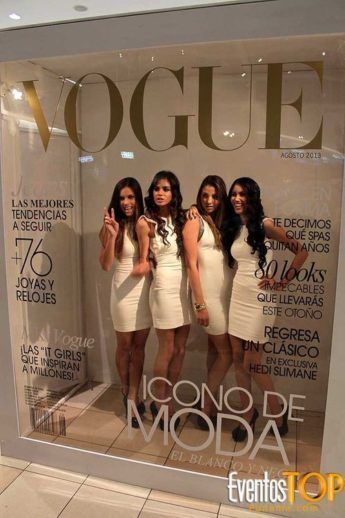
182,318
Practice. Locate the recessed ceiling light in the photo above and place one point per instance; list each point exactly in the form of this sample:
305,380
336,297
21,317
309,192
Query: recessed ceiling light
120,54
289,71
14,16
243,74
300,137
228,133
259,60
324,53
69,80
182,52
127,154
85,158
80,8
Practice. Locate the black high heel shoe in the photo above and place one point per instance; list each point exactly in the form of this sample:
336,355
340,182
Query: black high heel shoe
134,420
154,409
140,406
135,423
154,412
239,434
283,428
177,422
202,423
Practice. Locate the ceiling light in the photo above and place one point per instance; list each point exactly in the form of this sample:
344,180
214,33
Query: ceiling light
80,8
69,80
300,137
127,154
289,71
17,94
243,74
85,159
14,16
120,54
259,60
152,58
182,52
324,53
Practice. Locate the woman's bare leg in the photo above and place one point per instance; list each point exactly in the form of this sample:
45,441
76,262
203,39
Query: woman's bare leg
253,358
243,378
175,365
166,338
136,365
122,358
211,354
218,370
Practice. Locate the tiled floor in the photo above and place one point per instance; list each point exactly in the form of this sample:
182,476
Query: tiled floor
95,420
51,493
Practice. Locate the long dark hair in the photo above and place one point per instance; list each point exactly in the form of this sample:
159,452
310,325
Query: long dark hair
218,220
175,208
120,216
254,214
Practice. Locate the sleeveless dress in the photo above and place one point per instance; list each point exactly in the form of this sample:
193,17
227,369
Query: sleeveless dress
169,302
246,318
129,299
216,281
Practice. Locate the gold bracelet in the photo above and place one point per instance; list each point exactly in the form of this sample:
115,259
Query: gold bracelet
199,307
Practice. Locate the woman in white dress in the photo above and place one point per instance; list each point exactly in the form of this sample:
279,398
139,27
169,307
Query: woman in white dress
129,295
160,234
210,278
249,236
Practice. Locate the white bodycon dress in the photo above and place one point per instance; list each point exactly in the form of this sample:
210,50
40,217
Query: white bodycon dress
169,302
216,281
129,299
246,318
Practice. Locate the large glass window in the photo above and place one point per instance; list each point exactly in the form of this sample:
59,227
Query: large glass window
72,128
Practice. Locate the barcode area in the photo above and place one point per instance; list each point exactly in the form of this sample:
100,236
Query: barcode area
44,422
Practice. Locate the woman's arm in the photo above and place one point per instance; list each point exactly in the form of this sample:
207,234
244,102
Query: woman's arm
192,212
190,243
279,234
108,235
142,267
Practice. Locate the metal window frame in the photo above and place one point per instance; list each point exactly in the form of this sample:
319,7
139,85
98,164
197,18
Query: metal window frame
221,22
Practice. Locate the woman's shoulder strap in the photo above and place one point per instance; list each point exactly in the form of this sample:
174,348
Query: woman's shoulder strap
148,219
201,228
